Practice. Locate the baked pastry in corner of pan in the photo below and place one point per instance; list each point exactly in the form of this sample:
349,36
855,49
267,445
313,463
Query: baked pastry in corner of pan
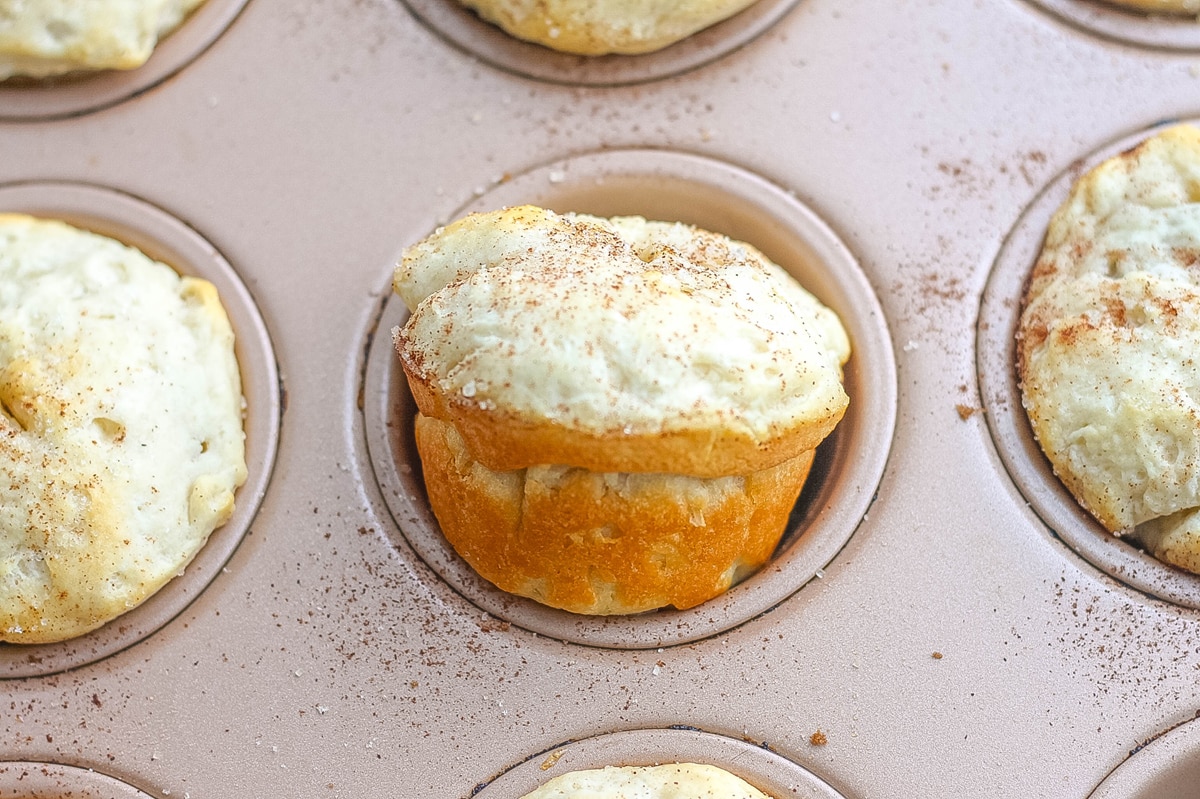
121,439
1107,344
53,37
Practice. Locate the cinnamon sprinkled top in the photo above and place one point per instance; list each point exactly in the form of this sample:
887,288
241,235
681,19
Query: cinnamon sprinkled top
668,781
120,427
614,326
1108,343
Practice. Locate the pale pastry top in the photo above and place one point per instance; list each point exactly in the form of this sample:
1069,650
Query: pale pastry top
597,27
617,327
673,781
1109,337
39,38
121,438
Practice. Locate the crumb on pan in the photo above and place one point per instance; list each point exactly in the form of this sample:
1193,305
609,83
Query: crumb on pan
966,411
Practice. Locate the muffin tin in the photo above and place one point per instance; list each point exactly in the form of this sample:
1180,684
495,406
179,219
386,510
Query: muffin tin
940,620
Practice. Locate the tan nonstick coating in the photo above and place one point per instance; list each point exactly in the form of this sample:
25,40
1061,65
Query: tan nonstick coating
951,644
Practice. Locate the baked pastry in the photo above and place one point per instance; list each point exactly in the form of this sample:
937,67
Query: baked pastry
121,440
615,415
671,781
599,27
52,37
1107,343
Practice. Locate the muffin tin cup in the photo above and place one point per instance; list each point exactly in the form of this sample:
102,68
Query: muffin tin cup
164,238
1127,25
1166,767
679,187
27,780
81,92
1013,436
757,764
465,30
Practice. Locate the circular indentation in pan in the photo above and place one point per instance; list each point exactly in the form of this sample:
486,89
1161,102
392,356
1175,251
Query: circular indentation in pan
1167,767
720,197
1128,25
1013,436
771,773
165,238
26,780
462,28
78,93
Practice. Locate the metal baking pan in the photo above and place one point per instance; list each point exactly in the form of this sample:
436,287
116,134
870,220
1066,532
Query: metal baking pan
938,613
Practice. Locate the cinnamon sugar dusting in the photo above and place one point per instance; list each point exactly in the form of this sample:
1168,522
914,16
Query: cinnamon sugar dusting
616,326
1107,343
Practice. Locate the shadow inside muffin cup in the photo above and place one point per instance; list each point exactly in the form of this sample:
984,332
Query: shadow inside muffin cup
1121,558
164,238
465,30
670,186
80,92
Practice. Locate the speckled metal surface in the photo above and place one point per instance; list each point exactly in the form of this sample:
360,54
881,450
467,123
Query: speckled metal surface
952,646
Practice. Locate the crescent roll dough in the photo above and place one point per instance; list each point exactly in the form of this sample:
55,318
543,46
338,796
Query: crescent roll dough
121,439
1108,339
615,415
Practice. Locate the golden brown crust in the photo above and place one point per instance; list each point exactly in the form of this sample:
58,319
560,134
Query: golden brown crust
616,345
504,441
598,543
